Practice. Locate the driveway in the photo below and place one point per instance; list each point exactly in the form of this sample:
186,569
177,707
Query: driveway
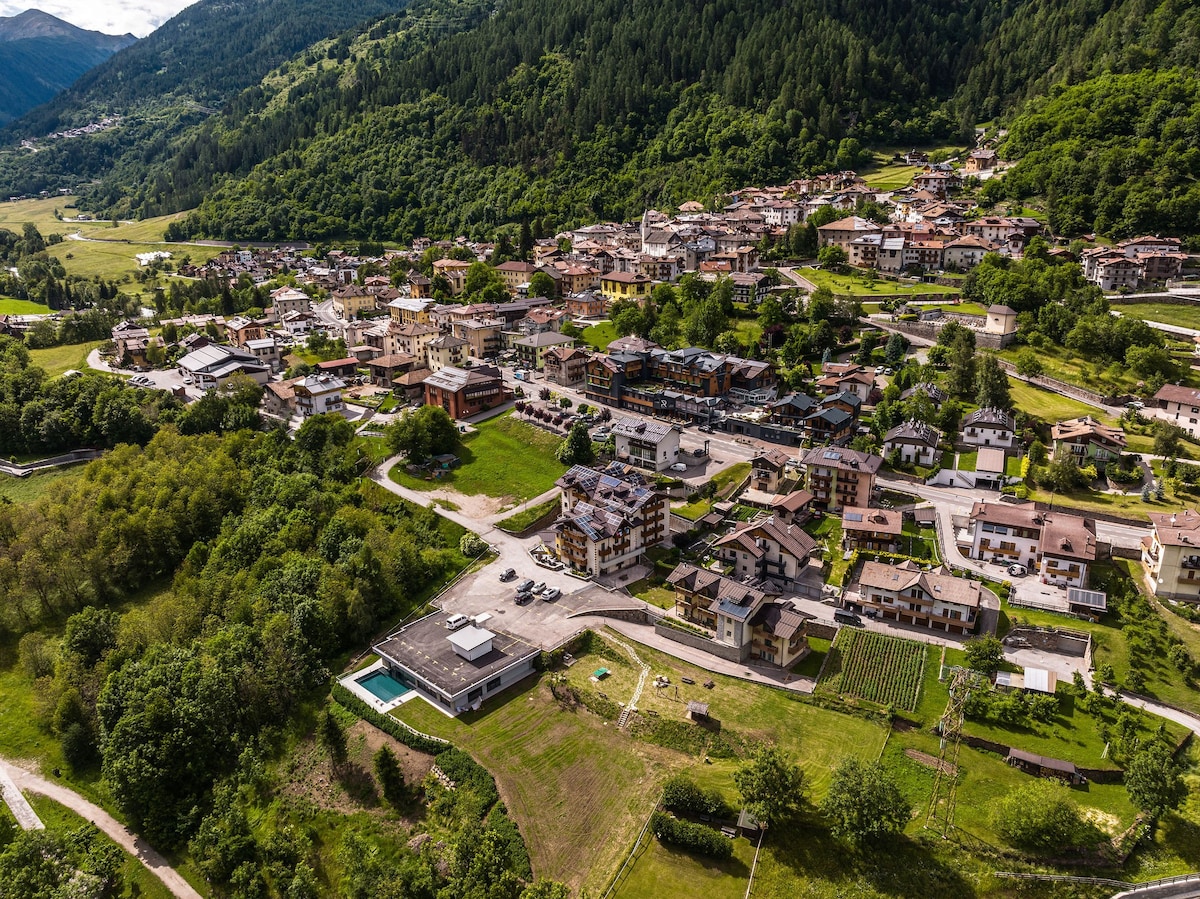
115,830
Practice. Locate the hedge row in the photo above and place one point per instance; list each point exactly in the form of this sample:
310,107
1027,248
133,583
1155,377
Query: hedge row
692,837
469,774
386,723
681,794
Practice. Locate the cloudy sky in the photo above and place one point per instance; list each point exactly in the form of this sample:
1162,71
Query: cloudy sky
109,16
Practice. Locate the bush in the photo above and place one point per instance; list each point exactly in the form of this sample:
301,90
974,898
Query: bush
386,723
692,837
1040,816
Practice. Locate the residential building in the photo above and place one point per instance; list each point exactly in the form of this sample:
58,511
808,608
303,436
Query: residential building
132,341
1180,406
1088,440
577,278
279,398
915,441
484,336
749,287
454,271
565,366
935,394
989,427
847,376
410,310
289,299
1060,547
844,232
515,274
609,519
908,594
767,550
317,394
265,350
1171,555
646,444
346,368
873,529
768,470
531,350
353,301
410,340
211,366
444,351
464,392
828,426
747,622
625,286
980,161
586,305
297,324
386,370
966,252
242,330
839,477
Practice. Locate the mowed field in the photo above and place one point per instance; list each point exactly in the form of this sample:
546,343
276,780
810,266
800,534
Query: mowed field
13,306
57,359
113,259
1183,316
503,457
579,789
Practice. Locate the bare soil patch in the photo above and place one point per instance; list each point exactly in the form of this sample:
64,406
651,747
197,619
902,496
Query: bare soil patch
929,761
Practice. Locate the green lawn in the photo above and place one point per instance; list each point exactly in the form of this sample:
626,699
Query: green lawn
810,665
892,176
827,531
57,359
856,285
725,482
663,597
968,461
1093,374
1129,505
13,216
579,789
27,489
1184,316
966,308
113,259
502,457
662,870
13,306
519,521
1050,407
600,336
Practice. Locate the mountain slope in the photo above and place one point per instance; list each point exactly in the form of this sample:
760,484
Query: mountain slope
575,108
41,55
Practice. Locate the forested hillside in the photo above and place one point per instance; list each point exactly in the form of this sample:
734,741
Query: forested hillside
170,81
575,109
455,116
41,55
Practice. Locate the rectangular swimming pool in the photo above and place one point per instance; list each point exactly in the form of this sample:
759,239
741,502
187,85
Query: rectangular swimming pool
382,685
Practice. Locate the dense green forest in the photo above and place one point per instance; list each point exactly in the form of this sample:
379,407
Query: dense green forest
455,116
263,559
1118,155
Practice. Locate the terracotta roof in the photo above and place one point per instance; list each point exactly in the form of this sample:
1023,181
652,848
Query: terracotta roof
1177,529
937,584
874,521
1088,429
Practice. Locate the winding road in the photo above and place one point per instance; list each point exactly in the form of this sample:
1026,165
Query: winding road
110,826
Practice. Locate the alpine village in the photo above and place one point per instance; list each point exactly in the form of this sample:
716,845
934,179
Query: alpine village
537,449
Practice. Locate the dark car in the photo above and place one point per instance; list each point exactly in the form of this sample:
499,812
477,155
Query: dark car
525,586
845,616
507,574
522,597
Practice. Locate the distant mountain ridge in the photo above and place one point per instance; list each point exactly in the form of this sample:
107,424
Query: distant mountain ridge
41,55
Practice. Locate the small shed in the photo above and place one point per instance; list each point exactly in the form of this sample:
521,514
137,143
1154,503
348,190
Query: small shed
697,711
471,642
747,824
1042,766
925,516
445,461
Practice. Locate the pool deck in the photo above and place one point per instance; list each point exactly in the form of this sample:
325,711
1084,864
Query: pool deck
351,682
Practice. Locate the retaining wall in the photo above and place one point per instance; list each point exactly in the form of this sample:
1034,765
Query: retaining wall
729,653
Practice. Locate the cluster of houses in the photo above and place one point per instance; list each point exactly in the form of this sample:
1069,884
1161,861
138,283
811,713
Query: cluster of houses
1134,263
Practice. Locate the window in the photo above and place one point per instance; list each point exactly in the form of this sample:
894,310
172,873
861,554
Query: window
493,684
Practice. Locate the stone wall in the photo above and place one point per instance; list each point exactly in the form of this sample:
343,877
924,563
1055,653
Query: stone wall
721,651
1049,639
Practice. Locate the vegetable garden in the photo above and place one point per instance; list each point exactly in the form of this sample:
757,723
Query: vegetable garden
878,668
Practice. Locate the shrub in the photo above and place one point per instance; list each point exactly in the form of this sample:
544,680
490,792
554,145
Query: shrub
1040,816
682,795
692,837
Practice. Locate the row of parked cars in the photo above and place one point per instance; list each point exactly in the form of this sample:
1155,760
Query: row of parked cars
527,589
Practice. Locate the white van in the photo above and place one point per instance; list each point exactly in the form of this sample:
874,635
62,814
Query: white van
454,622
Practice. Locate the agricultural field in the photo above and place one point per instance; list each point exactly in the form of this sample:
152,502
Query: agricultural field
875,667
13,216
13,306
114,259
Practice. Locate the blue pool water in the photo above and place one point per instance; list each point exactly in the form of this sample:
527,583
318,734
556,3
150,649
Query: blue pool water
381,684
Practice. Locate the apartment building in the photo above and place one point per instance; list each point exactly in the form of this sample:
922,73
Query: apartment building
646,444
1171,555
989,427
767,550
839,477
908,594
1060,547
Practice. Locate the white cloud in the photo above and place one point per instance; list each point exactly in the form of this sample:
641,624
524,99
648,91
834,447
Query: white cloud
109,16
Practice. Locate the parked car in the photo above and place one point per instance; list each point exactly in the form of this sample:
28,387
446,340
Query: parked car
525,586
705,429
539,588
454,622
523,597
601,434
552,594
678,466
845,616
507,574
1018,570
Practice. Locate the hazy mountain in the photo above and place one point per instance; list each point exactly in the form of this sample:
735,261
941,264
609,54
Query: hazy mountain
41,55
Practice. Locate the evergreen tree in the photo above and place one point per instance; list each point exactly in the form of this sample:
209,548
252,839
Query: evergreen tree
991,384
576,448
389,776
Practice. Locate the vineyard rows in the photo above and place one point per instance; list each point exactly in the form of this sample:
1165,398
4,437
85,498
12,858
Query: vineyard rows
878,668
